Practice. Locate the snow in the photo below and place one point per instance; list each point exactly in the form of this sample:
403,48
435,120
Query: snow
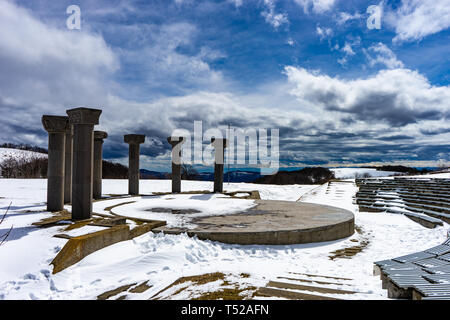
160,259
352,173
205,204
83,230
442,175
266,191
6,153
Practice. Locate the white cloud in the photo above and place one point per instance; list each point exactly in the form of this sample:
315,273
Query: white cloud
380,54
208,54
397,96
162,67
121,8
273,18
347,49
50,64
180,2
311,110
324,32
416,19
237,3
45,70
317,6
343,17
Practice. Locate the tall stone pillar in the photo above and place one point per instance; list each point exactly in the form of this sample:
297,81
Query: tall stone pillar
83,121
56,126
68,166
98,151
176,143
219,151
134,141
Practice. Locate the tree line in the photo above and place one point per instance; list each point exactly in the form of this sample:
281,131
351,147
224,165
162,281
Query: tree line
23,147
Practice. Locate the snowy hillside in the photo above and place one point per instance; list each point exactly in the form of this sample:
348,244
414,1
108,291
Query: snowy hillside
352,173
6,153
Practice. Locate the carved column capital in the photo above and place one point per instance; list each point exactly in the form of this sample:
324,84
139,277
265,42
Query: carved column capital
84,116
100,135
55,124
134,138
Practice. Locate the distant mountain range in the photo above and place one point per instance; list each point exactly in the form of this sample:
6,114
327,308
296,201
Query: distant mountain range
26,153
231,176
148,174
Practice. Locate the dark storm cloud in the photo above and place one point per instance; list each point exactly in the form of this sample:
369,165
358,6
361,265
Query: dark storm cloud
432,132
155,143
395,137
375,107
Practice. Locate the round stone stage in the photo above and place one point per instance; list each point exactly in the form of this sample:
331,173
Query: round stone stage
273,223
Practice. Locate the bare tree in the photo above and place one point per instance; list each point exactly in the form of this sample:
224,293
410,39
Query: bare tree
22,167
188,172
4,236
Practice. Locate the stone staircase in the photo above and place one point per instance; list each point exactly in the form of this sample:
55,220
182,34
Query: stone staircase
425,201
302,286
420,275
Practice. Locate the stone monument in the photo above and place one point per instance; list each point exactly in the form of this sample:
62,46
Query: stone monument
176,143
83,121
99,136
56,126
219,152
134,141
68,166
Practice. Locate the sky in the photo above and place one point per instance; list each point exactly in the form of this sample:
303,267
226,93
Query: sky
340,92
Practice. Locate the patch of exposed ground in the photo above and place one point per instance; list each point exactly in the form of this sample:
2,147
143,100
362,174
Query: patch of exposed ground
174,211
80,224
349,252
191,287
251,194
117,205
129,288
56,218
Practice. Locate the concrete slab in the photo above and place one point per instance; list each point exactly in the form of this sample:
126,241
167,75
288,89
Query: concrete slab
81,246
273,223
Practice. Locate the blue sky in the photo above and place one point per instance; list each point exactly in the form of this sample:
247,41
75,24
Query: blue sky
340,93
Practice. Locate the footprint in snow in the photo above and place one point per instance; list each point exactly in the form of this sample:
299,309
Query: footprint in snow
46,273
30,276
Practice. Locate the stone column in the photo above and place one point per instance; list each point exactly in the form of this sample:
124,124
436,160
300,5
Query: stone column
56,126
134,141
83,121
176,143
68,166
98,151
219,151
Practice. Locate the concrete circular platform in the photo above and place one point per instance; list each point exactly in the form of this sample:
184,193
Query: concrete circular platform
274,223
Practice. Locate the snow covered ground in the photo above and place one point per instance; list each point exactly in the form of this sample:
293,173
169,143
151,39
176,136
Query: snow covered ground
196,205
25,272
